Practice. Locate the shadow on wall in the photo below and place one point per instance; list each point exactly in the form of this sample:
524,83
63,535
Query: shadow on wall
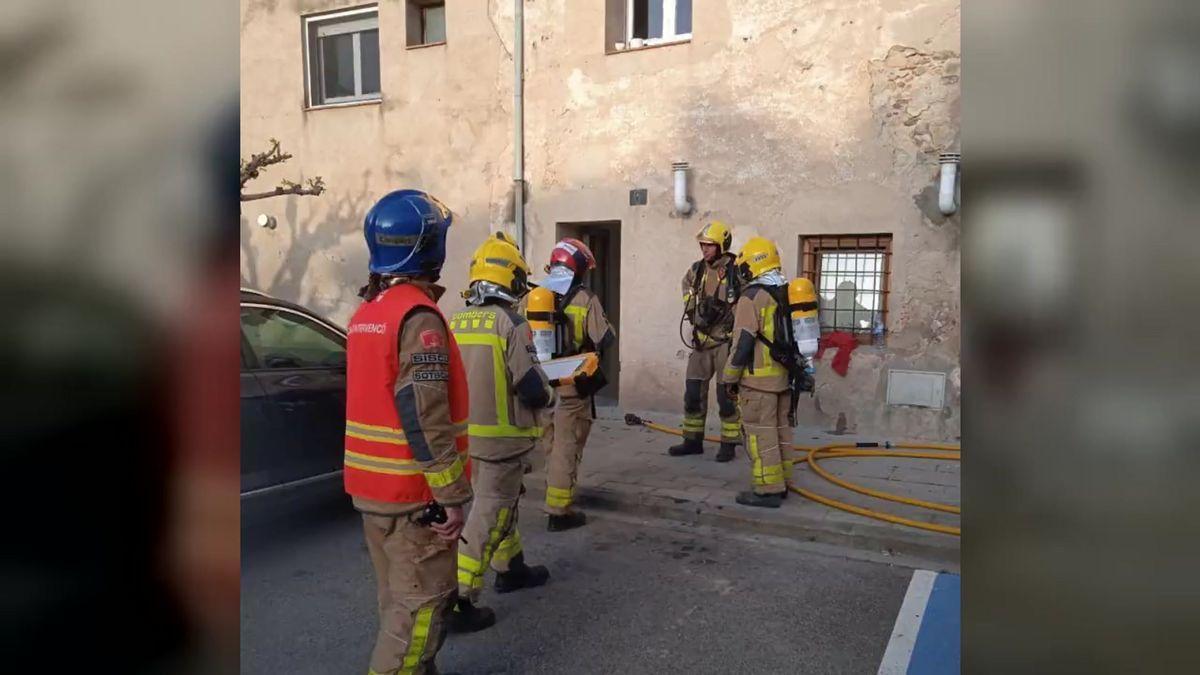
331,221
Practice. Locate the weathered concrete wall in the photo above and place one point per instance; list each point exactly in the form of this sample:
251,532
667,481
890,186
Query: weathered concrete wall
797,118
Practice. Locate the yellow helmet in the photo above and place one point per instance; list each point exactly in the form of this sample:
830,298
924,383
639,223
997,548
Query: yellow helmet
497,260
717,233
802,297
758,256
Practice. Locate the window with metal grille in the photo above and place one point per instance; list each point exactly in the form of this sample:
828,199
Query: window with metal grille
851,274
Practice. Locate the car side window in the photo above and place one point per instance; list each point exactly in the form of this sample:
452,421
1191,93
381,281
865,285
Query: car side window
285,339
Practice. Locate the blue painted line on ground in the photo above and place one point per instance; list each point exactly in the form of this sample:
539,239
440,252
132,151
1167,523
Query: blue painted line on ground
938,648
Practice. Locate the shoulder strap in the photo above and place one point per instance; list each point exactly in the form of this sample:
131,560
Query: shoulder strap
697,278
565,301
734,283
783,319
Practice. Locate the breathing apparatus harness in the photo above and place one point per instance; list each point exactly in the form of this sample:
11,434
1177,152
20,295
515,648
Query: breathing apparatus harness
784,350
705,312
584,386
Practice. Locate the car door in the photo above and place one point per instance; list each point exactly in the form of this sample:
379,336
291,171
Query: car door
301,364
260,429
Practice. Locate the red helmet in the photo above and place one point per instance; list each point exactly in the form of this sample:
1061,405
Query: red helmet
574,254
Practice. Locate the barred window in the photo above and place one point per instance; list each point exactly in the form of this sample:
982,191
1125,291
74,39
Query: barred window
850,273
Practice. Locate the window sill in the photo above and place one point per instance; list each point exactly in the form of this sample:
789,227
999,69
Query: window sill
429,44
668,43
347,104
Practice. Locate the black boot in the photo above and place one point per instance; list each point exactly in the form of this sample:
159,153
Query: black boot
520,575
725,454
467,618
689,446
568,521
771,501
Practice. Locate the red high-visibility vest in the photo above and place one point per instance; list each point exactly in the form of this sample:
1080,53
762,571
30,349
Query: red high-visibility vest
379,463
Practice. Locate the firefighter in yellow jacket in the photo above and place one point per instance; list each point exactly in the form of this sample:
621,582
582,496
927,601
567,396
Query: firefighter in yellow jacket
759,382
581,327
710,290
507,388
406,464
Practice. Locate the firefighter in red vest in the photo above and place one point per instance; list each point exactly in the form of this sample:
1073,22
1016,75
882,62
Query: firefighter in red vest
406,462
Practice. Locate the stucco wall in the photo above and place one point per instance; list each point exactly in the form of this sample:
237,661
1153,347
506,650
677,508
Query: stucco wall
796,117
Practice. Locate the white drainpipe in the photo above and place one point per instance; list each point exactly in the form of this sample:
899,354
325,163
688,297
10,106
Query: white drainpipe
519,121
947,189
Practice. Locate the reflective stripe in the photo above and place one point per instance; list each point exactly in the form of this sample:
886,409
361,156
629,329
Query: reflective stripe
509,548
505,431
787,469
762,475
768,367
731,429
469,580
369,432
416,644
693,424
755,459
733,372
558,497
469,564
470,570
386,462
447,476
502,428
375,468
578,316
772,474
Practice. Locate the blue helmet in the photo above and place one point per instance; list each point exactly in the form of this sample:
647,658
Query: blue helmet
406,233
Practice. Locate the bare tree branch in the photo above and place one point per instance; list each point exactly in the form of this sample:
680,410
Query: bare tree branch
315,187
274,155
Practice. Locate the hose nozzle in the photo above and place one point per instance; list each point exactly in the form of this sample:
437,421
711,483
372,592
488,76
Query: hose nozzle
633,420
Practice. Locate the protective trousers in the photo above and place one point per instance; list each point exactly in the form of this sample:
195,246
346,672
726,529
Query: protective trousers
768,438
491,529
414,570
702,365
563,440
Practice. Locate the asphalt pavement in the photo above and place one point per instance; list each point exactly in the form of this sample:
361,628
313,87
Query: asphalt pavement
626,595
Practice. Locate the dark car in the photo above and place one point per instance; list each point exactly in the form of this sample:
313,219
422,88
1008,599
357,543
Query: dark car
293,394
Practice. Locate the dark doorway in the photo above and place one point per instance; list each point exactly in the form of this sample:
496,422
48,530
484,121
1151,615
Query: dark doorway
604,238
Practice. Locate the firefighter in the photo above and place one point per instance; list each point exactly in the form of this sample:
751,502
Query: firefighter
710,290
507,387
581,326
757,377
406,463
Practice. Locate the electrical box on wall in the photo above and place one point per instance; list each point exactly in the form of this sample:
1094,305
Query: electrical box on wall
924,389
637,197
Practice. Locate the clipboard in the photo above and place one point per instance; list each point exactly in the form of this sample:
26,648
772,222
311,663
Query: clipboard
562,371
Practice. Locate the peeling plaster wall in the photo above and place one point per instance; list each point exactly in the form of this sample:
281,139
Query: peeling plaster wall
797,118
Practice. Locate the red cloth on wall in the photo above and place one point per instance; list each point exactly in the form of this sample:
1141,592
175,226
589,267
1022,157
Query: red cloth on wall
842,341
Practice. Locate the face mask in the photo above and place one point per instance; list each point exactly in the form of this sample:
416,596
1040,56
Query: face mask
772,278
559,280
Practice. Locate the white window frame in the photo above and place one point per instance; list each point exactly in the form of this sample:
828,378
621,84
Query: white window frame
319,23
425,25
669,35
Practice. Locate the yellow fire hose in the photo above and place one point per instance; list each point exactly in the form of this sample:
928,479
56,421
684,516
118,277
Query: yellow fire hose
835,451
